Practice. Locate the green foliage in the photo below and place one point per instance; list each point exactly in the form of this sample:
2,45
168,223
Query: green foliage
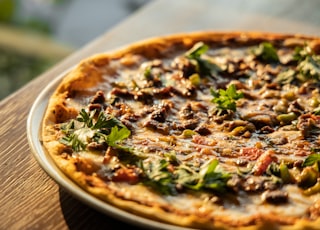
266,52
309,68
17,69
116,135
165,181
205,67
73,141
158,177
301,52
311,159
197,50
8,15
210,179
7,8
87,128
226,99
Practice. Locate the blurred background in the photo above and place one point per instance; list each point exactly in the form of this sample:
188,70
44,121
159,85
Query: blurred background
36,34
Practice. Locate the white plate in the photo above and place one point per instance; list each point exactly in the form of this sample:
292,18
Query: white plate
33,132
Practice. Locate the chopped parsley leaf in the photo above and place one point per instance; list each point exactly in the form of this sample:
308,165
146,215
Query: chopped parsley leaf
311,159
226,99
300,53
310,67
158,176
205,67
210,179
73,141
266,52
86,129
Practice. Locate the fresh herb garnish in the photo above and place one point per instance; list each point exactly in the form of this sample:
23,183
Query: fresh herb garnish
266,52
226,99
210,179
73,141
301,52
117,135
311,159
147,74
88,127
167,180
158,177
105,122
309,68
286,77
86,118
197,50
205,67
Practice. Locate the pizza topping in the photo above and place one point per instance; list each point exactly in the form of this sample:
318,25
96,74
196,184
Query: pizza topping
86,165
191,118
284,173
223,127
89,128
226,99
312,159
313,189
203,65
275,197
308,177
309,124
266,52
263,162
125,175
251,153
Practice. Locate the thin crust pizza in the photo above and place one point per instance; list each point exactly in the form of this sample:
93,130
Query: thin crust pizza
201,130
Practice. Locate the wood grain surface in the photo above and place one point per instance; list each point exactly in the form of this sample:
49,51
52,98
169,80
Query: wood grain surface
29,199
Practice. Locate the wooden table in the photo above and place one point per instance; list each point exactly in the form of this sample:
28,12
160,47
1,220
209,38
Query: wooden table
29,198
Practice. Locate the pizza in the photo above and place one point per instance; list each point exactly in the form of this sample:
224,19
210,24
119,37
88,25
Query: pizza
209,130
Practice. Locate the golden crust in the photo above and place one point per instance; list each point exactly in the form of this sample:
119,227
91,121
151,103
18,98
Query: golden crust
90,73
